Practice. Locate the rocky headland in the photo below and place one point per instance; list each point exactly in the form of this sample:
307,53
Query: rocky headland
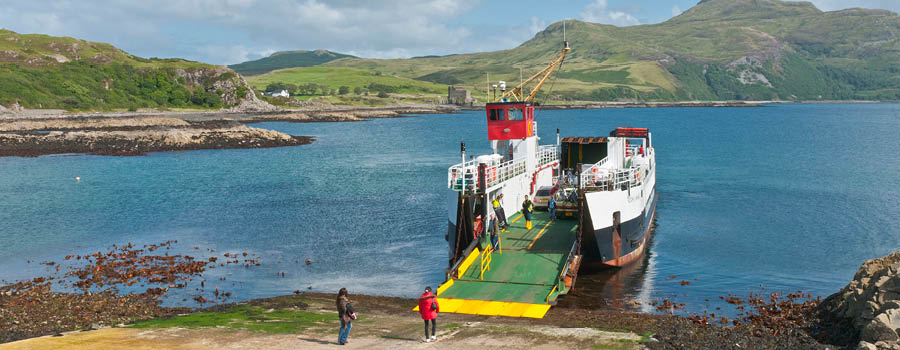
29,133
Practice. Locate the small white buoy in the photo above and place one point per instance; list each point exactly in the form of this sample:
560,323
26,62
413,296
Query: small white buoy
78,179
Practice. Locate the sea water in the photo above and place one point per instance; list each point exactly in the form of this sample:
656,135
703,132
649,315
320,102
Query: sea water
774,198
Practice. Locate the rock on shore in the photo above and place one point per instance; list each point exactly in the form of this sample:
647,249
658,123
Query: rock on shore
868,308
125,141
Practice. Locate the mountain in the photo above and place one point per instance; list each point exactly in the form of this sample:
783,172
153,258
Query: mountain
717,50
287,59
41,71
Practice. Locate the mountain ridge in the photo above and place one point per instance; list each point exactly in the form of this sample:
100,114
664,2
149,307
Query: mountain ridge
716,50
287,59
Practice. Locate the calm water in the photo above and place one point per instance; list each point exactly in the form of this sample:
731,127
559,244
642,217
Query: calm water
785,197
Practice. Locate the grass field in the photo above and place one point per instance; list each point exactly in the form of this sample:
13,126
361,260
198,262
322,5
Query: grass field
335,77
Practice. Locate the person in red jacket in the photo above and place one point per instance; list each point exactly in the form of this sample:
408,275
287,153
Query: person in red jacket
428,308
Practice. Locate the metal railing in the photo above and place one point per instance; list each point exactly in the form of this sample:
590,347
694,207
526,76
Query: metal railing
600,179
494,175
486,255
547,154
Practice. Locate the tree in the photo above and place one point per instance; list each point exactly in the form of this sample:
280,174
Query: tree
382,94
343,90
357,90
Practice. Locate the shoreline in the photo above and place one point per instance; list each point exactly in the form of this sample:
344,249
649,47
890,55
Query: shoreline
391,320
36,133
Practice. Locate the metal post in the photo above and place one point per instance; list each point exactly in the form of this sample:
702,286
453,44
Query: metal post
482,179
462,149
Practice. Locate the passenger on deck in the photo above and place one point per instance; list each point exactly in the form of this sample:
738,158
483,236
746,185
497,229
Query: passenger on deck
477,227
527,209
551,207
498,210
495,238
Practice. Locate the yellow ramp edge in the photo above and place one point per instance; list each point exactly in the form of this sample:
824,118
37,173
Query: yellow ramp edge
491,308
468,261
444,287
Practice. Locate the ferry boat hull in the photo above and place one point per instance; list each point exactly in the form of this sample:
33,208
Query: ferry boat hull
619,195
603,248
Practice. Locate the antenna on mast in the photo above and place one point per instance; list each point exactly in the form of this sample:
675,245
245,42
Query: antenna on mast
488,98
520,76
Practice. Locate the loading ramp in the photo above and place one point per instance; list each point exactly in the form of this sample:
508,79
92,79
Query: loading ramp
522,279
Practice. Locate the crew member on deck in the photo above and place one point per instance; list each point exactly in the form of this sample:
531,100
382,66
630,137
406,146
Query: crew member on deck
498,210
527,209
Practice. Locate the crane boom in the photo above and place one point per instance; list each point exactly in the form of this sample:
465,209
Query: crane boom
517,93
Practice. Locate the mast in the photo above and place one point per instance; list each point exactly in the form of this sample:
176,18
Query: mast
516,92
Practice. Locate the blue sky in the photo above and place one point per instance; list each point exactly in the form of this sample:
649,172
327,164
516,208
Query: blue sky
232,31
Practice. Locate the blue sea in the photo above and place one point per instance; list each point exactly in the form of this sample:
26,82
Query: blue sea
776,198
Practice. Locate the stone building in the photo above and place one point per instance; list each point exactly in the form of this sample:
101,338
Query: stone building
459,96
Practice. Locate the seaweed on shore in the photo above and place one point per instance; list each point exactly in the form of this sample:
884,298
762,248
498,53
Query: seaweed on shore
121,285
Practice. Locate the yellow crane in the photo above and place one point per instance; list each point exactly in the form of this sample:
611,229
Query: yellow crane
517,92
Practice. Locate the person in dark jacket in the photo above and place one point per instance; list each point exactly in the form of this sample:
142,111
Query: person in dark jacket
498,210
527,209
428,308
345,314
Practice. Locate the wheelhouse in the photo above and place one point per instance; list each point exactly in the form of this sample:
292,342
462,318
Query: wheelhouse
509,120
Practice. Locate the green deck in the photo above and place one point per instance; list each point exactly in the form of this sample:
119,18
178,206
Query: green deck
520,274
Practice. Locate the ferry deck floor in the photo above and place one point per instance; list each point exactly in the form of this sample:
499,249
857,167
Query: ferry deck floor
522,277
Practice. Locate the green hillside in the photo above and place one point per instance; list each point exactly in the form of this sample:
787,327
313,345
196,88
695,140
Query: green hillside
330,81
41,71
286,59
717,50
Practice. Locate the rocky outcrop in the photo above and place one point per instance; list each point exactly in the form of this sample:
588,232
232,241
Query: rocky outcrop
251,103
59,124
231,87
870,304
214,135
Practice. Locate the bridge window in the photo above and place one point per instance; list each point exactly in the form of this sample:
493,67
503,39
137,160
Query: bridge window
496,114
516,114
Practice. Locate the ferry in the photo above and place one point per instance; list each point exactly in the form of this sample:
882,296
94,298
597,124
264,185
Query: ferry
607,183
500,262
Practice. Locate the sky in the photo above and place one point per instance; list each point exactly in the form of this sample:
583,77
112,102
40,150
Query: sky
234,31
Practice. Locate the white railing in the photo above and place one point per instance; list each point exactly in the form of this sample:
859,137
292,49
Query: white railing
631,150
463,173
496,174
547,154
493,175
611,179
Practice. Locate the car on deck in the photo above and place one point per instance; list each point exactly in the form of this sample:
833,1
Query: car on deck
542,197
566,202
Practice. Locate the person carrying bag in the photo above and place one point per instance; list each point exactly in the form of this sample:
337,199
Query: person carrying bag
345,314
428,309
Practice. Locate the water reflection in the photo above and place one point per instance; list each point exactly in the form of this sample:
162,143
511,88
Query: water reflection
627,289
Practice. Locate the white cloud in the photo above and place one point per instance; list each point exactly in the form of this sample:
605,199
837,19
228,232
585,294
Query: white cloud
676,11
537,25
833,5
597,12
228,31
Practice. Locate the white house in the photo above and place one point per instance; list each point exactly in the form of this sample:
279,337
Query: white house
281,93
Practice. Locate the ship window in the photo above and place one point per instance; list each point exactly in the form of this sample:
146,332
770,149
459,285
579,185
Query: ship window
516,114
496,114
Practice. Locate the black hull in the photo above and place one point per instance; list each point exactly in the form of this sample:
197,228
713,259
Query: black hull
598,245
